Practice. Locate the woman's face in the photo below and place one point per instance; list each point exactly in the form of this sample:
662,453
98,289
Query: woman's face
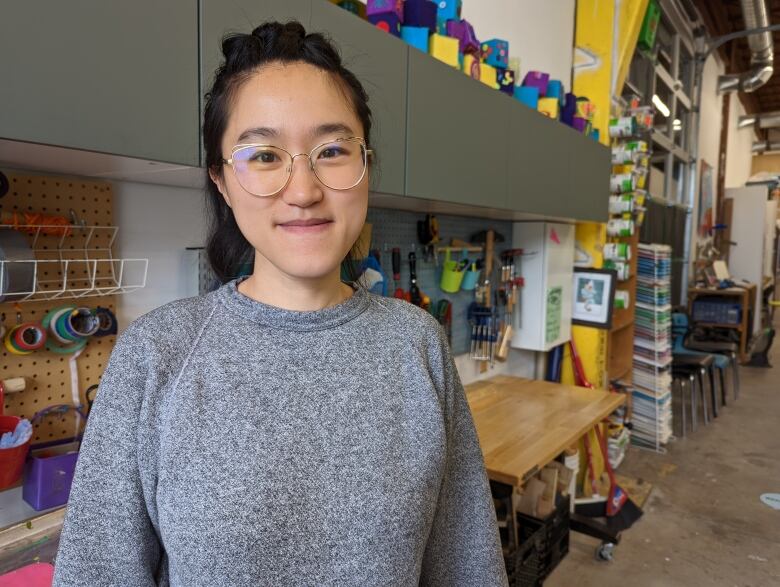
306,229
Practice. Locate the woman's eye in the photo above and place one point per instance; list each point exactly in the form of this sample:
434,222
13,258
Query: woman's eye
330,152
263,157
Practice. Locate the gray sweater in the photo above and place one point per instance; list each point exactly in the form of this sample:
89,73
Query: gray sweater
234,443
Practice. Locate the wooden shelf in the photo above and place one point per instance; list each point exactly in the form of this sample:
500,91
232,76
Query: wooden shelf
716,325
621,319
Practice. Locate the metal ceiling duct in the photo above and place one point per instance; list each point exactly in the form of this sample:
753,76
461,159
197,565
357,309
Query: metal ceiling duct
761,147
761,52
763,120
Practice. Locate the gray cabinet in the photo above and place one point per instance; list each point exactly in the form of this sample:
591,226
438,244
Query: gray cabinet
554,170
114,77
457,136
379,60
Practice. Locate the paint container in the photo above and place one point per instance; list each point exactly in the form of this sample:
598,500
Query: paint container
617,252
622,183
621,204
620,227
622,299
622,127
622,269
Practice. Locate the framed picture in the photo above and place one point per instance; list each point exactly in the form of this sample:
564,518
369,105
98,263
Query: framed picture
594,296
712,277
705,200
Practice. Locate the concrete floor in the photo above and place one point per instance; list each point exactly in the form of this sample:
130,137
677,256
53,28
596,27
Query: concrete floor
703,522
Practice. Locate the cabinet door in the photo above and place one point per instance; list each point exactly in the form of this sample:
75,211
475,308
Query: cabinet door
554,170
113,77
379,60
458,136
538,164
219,18
590,167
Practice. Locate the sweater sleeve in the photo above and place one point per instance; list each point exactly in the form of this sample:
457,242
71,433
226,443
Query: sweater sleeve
108,538
463,547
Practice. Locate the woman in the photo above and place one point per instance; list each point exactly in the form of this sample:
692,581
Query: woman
289,428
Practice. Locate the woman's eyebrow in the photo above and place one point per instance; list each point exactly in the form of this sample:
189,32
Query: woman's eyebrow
261,131
331,128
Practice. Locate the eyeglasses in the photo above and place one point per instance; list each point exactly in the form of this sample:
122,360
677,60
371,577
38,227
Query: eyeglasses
265,170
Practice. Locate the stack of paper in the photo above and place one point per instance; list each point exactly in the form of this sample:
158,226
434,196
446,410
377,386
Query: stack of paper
652,372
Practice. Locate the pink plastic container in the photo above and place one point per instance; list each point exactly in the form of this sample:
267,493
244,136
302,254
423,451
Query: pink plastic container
35,575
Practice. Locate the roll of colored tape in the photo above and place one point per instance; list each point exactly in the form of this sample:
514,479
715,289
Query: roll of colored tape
108,322
67,349
11,347
81,323
29,336
59,328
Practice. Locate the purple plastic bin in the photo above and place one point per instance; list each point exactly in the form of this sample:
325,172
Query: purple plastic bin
48,472
420,13
580,124
537,79
382,6
464,32
47,479
569,109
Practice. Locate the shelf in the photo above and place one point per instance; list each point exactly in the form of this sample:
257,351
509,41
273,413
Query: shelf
716,325
622,319
29,280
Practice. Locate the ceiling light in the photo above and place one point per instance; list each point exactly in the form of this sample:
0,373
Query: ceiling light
662,108
677,124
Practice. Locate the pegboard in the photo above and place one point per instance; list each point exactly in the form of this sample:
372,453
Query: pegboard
48,374
395,228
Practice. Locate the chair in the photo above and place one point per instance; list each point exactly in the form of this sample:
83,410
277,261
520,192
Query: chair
691,342
720,362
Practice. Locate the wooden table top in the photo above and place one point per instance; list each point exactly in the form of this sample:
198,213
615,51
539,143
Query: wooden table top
523,424
726,291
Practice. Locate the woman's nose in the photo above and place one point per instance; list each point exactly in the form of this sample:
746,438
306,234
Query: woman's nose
304,189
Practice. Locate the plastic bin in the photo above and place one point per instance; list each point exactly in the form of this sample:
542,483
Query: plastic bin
716,311
11,459
50,468
543,544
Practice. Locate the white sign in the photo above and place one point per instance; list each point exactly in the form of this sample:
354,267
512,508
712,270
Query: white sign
772,500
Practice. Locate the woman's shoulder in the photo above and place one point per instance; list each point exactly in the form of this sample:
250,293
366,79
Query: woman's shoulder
172,325
405,319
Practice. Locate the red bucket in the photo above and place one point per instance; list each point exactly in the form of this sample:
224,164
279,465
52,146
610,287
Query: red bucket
11,459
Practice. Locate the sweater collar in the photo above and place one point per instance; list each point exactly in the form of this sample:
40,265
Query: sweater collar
279,318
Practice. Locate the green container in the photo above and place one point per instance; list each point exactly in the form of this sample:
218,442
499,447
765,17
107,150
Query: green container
451,278
649,28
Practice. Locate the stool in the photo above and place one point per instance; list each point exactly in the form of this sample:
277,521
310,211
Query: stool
699,365
686,402
728,349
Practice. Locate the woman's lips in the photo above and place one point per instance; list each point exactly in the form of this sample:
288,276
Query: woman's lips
309,226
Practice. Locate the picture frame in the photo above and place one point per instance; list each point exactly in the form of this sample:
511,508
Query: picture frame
593,297
711,276
705,220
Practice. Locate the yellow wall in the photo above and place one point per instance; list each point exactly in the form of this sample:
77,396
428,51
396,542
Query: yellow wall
769,163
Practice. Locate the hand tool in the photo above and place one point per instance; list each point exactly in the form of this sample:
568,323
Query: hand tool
414,291
399,291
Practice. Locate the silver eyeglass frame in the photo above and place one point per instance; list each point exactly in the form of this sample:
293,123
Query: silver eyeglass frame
368,153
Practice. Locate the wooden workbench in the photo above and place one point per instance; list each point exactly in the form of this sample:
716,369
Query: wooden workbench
523,424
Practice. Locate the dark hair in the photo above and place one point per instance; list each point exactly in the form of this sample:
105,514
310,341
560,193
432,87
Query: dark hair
270,42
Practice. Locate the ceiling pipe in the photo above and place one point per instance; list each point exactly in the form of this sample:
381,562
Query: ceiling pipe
763,120
761,52
761,147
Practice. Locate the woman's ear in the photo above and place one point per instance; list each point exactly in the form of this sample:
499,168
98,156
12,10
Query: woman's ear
218,180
